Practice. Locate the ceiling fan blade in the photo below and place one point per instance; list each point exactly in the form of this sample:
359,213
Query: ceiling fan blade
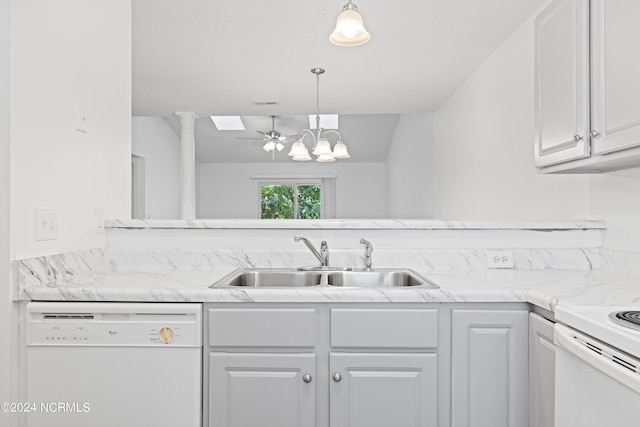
255,139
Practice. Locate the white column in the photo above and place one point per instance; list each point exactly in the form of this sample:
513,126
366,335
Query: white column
187,164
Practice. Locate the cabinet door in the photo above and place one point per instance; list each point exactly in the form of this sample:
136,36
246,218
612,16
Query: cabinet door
542,370
382,390
615,76
562,82
489,368
261,389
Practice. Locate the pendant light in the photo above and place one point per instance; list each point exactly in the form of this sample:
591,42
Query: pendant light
321,145
350,29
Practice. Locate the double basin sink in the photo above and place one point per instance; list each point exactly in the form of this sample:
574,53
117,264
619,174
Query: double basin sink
286,278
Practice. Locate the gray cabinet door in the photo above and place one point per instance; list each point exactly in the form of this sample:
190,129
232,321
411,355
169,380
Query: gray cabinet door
383,390
562,82
542,369
489,368
262,389
615,74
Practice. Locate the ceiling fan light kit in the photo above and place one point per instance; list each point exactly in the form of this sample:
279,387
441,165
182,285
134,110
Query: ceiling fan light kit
349,29
321,145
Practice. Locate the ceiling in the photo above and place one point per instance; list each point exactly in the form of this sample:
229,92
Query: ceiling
219,57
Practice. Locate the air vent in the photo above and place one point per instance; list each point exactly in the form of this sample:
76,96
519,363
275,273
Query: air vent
62,316
265,102
611,355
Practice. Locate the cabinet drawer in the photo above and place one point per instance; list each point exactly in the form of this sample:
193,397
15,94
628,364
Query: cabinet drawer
262,327
384,328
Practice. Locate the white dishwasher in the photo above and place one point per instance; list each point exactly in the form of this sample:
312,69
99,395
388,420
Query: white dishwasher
112,364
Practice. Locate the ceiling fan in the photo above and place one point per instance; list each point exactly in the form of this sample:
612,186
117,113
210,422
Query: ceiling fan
274,140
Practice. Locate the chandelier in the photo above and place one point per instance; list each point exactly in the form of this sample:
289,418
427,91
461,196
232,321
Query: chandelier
321,146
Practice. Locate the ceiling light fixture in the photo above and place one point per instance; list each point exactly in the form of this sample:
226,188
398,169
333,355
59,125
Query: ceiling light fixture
350,29
321,146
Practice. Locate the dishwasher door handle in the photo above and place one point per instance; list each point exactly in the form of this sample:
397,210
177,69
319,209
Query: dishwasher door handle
602,357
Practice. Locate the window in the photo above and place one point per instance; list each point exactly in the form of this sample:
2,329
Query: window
291,201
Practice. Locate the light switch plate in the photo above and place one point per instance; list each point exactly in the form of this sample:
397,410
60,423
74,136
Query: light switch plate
81,118
98,220
46,224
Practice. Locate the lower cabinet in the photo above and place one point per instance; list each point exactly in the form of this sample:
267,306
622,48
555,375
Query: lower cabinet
542,371
369,390
256,389
365,365
489,368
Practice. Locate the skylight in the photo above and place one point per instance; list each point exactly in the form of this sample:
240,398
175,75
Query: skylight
228,122
327,121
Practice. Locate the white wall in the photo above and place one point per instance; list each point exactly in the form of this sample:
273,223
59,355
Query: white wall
410,168
5,290
227,190
64,54
484,146
153,140
615,197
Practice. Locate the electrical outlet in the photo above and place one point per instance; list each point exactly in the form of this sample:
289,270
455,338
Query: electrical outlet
46,224
499,259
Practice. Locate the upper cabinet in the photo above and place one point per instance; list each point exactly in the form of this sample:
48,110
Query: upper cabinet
587,99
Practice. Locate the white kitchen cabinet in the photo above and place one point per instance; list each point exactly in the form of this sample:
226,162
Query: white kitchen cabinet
381,390
562,82
615,74
316,365
587,96
248,389
541,372
489,368
384,367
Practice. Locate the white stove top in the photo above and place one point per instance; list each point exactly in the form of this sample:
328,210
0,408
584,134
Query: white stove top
595,321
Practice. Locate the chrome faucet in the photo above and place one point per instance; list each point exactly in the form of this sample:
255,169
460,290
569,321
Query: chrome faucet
323,255
368,249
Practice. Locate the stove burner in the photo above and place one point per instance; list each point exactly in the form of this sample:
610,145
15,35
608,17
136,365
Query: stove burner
630,319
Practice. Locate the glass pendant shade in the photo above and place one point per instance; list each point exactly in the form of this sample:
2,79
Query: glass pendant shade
340,151
322,148
298,149
325,158
279,146
269,146
304,156
350,29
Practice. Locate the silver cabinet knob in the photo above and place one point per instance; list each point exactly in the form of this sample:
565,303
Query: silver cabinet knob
577,138
336,377
595,134
307,378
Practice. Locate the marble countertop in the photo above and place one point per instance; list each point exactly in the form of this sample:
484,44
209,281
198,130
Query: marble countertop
544,288
355,224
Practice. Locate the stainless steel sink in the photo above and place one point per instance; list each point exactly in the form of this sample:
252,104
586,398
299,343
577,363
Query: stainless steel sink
269,278
379,279
288,278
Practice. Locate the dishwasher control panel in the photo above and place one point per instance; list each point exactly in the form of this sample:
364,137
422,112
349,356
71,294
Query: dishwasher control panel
109,324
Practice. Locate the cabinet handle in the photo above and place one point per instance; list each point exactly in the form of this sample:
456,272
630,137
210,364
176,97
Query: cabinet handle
595,134
307,378
336,377
577,138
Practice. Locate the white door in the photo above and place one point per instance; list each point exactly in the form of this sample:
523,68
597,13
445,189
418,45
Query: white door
615,78
489,368
542,370
262,389
383,390
562,82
